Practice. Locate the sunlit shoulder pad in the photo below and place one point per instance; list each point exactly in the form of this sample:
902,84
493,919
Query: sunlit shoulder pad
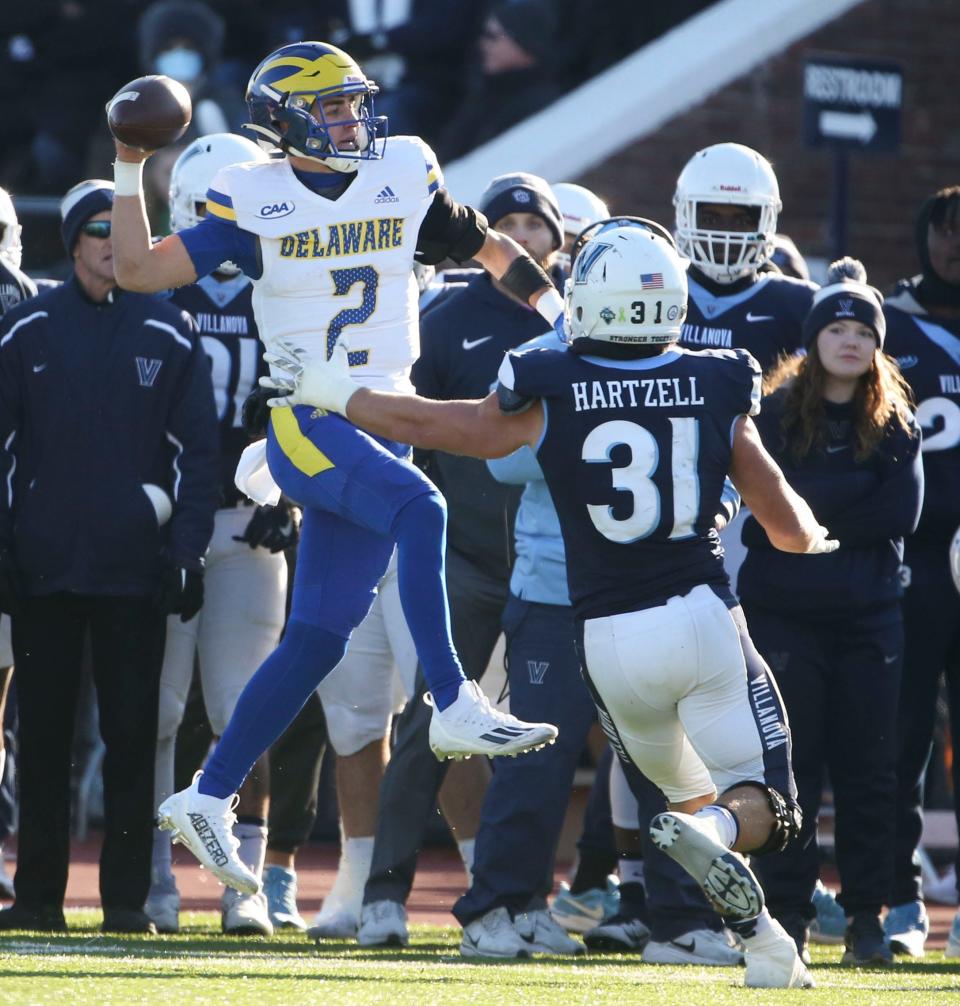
508,397
744,375
219,200
434,174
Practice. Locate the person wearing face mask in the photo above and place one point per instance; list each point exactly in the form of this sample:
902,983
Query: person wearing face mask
839,423
183,39
923,322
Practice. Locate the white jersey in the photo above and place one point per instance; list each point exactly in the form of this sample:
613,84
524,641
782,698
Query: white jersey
338,269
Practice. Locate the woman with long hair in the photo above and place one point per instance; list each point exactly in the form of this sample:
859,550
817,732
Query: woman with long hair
838,421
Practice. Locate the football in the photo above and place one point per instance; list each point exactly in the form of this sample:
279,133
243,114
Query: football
150,112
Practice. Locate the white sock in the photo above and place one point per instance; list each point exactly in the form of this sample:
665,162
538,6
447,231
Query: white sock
721,822
3,758
253,845
356,855
161,864
631,871
748,929
467,848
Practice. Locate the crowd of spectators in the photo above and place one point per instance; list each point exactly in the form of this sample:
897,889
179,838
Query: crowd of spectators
440,65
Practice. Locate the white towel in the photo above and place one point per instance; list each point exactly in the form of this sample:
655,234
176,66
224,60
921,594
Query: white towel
253,476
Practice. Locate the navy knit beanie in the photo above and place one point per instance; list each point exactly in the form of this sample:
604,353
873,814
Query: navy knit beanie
847,295
522,193
83,201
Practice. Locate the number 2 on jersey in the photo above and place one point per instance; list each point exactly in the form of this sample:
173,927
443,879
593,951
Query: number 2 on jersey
344,280
636,478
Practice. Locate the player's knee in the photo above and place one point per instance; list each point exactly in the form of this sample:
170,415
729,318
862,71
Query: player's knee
219,711
424,514
350,730
169,714
787,819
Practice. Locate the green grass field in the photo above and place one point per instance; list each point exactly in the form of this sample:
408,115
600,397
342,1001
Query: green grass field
200,966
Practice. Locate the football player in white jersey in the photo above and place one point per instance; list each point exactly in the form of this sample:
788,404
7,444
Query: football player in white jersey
328,233
246,574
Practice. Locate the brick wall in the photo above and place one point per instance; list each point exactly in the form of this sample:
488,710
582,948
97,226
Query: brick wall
764,110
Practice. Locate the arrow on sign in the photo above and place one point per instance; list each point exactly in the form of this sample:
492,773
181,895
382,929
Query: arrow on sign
848,125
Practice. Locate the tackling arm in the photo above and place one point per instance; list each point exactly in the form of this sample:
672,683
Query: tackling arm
138,264
506,261
784,515
475,428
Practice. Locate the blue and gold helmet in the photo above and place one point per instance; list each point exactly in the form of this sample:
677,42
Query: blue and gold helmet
285,97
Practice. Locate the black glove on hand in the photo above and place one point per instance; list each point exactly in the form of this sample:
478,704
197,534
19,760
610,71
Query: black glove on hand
180,592
271,527
11,587
256,413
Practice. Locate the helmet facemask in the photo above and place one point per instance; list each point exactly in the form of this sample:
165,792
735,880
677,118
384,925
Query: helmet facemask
286,114
727,174
724,255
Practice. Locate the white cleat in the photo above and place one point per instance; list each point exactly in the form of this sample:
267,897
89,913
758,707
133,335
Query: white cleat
163,910
204,824
722,874
701,946
383,924
334,923
493,935
472,726
772,958
543,936
245,914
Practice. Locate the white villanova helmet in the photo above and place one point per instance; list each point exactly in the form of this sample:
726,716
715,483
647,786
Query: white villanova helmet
629,287
196,168
734,174
579,207
11,250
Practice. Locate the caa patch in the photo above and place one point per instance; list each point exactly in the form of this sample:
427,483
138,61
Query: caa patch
273,211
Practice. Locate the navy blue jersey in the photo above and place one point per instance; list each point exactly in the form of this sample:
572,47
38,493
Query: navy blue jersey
635,454
927,348
15,286
223,312
765,319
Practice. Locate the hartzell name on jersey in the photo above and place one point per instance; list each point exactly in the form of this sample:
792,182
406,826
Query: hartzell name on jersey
221,324
655,392
353,238
704,335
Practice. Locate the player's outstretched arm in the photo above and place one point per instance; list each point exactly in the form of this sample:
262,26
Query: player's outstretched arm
138,264
506,261
783,514
475,428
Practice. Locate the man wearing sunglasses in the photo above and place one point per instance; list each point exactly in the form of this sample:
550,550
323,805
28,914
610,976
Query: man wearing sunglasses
109,451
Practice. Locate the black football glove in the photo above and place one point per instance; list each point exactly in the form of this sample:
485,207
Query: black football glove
180,592
255,414
272,527
11,585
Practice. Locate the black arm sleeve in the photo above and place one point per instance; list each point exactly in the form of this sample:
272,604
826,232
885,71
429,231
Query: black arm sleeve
450,230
